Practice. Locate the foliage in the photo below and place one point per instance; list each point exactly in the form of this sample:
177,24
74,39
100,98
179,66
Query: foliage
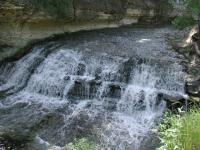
183,22
57,8
81,144
193,6
180,132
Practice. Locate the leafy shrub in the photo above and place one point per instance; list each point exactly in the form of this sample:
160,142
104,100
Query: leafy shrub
181,132
57,8
193,6
183,22
81,144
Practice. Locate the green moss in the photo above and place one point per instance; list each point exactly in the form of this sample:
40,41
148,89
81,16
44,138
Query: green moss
57,8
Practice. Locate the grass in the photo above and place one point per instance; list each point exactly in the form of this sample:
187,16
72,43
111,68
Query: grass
180,132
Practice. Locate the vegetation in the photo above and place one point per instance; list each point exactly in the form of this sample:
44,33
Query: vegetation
192,6
180,132
81,144
57,8
182,22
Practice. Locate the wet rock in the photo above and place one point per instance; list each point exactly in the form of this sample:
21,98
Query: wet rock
38,144
193,88
94,87
184,43
126,69
22,120
84,89
152,142
52,129
81,69
80,90
80,124
18,122
110,104
9,144
113,91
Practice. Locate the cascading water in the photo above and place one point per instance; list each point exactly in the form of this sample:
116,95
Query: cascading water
104,85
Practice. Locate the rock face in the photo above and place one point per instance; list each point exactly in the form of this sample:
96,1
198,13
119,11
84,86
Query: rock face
20,22
183,44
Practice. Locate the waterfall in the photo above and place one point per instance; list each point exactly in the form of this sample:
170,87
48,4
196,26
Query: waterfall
105,86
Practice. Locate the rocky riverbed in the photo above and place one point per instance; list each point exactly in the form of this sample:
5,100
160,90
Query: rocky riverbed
109,86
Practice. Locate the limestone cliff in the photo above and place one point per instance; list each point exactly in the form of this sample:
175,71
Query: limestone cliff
21,22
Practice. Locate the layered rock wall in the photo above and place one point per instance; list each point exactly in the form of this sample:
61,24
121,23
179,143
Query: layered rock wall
20,22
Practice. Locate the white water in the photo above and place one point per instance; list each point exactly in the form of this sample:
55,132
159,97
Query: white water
90,92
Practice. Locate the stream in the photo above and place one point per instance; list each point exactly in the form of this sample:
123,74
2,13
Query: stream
107,85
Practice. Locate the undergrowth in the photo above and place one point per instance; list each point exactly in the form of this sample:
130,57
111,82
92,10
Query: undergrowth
180,131
81,144
183,22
